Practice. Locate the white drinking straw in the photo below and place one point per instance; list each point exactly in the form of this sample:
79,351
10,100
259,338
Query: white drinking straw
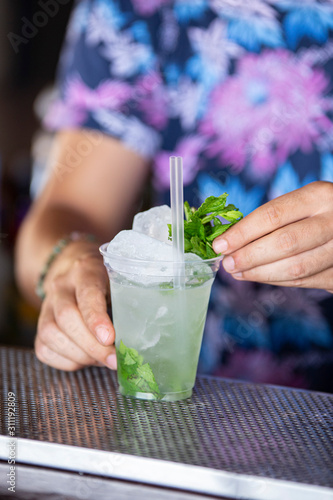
177,213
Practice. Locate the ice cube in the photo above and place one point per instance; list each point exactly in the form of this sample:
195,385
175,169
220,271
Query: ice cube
147,261
198,271
151,259
149,337
134,245
153,328
162,311
154,222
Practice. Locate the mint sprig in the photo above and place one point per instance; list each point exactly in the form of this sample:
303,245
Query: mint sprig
203,225
135,376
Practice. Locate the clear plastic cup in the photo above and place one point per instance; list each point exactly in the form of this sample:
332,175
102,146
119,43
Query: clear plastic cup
158,326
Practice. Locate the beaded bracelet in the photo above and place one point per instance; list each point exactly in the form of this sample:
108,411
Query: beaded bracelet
57,249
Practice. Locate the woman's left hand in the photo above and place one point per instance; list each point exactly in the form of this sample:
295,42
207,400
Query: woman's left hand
287,242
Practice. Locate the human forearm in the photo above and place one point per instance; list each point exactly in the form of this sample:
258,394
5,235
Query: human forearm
95,198
98,197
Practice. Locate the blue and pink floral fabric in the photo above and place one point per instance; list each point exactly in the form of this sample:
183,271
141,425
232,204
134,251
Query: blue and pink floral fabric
243,91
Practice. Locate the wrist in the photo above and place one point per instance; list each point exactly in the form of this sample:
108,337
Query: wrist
62,256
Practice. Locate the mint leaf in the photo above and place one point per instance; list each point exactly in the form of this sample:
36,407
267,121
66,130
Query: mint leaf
217,222
212,204
133,374
203,225
187,245
146,374
122,348
198,246
129,360
233,215
194,228
187,210
217,231
209,251
170,232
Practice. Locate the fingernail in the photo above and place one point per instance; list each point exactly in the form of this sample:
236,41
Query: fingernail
228,264
111,361
102,334
237,275
220,246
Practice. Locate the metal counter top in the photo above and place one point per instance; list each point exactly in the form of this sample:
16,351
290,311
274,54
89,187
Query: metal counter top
230,439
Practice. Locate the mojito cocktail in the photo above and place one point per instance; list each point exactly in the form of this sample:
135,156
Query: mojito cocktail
158,327
159,305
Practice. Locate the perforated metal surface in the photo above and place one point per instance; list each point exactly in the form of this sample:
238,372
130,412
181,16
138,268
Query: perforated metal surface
260,431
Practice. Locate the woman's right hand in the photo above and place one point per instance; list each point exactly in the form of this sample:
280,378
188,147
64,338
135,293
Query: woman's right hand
74,329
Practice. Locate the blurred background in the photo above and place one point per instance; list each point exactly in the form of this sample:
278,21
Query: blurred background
31,36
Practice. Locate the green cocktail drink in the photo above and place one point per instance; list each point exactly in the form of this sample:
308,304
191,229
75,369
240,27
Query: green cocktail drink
158,327
159,305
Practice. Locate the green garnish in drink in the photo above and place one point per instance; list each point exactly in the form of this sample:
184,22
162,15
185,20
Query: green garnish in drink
203,225
162,323
135,375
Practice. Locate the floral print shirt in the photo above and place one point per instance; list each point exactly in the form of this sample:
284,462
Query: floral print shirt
243,91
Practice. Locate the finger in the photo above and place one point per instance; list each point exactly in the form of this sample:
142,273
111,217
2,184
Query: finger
49,334
51,358
91,287
277,213
293,268
290,240
69,320
322,281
